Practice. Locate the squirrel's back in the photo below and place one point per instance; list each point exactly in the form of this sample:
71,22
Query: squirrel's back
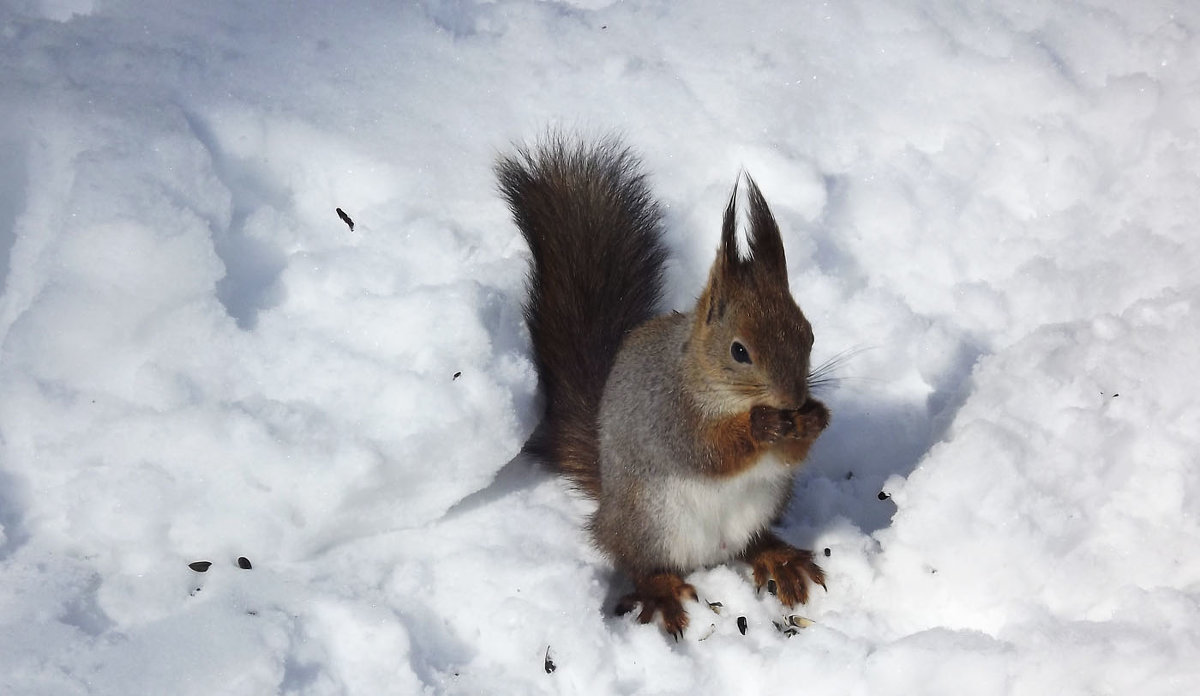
594,232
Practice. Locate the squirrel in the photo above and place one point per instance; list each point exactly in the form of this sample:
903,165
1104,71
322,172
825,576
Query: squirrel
685,428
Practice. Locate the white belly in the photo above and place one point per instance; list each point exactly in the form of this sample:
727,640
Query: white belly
709,521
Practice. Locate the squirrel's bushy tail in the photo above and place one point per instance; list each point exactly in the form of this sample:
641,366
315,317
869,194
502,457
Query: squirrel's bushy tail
594,231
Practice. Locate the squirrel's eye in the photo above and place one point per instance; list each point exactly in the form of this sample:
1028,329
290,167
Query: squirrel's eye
739,353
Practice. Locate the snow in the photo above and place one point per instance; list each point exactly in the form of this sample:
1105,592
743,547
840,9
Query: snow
990,217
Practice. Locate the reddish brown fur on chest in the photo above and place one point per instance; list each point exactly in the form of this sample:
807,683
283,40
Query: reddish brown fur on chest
735,443
732,447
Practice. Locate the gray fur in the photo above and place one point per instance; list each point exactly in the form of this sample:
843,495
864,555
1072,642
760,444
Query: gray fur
652,464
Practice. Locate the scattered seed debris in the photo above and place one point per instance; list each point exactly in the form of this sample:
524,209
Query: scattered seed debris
742,625
883,495
716,607
712,628
457,375
550,666
791,625
200,566
772,587
346,219
828,552
785,629
244,563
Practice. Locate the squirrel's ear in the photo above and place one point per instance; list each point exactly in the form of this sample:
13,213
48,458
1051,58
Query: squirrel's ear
766,245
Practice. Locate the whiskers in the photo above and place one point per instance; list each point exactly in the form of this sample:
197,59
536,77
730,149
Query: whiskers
824,378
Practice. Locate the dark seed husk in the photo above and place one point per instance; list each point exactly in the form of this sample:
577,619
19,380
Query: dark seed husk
244,563
741,622
200,566
345,218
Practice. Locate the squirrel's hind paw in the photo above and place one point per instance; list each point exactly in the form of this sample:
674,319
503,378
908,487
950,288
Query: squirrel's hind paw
784,570
660,593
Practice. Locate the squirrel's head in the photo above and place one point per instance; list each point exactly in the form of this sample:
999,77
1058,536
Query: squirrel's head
749,343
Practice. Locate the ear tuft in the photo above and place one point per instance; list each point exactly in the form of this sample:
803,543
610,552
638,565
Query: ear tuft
766,245
729,247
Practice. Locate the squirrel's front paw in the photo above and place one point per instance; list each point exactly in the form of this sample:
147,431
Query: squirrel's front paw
809,420
770,424
660,593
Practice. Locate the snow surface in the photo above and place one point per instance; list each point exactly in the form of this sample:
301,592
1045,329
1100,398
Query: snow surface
990,212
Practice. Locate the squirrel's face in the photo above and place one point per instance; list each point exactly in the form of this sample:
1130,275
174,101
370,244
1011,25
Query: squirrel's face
750,343
754,350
